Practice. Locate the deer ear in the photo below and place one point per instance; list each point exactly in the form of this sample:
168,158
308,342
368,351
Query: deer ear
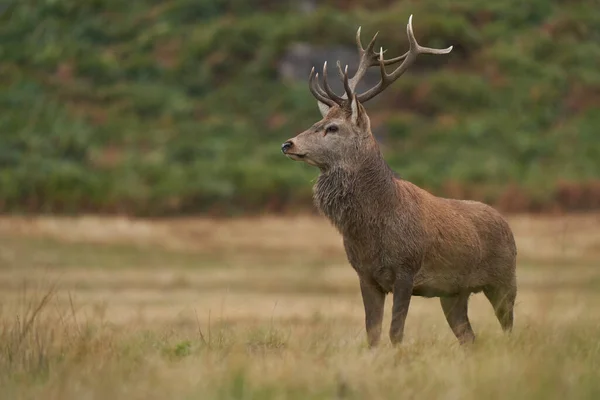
359,116
324,108
355,110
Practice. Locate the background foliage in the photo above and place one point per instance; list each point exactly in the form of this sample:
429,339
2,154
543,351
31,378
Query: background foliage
158,107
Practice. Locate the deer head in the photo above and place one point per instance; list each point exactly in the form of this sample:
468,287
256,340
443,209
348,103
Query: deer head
343,136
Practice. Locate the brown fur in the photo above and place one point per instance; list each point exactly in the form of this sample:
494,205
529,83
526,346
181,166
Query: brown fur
401,239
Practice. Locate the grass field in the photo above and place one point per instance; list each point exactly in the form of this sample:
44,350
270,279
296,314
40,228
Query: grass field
267,308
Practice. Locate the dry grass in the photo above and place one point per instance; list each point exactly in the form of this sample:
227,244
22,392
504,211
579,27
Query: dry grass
267,308
540,238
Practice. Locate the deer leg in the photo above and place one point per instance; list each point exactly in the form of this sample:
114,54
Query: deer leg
503,301
373,300
402,294
455,310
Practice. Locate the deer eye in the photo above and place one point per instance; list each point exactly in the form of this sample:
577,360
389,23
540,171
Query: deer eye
331,129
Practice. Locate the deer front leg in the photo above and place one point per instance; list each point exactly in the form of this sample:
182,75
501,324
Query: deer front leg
373,300
402,293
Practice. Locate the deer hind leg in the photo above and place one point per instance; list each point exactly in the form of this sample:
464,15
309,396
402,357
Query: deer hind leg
502,298
455,309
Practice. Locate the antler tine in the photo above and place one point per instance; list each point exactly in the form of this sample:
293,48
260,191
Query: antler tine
330,93
409,58
371,44
339,67
391,60
358,41
320,90
422,49
344,77
316,90
347,88
367,59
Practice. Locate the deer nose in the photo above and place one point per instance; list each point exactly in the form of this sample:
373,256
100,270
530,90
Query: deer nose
285,147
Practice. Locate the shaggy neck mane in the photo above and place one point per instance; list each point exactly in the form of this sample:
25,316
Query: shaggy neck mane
356,194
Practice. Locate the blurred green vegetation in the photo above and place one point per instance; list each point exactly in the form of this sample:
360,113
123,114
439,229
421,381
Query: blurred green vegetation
158,107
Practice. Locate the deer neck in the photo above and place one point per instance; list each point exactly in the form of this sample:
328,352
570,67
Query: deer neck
357,193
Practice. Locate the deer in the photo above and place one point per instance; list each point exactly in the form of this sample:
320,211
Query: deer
399,238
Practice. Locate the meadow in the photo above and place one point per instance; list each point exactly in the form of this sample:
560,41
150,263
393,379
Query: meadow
268,308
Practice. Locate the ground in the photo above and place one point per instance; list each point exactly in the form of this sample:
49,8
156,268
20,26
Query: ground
268,308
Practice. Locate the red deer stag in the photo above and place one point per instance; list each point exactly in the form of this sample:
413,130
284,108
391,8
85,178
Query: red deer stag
398,237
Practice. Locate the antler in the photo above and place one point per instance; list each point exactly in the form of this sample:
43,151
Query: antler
369,58
409,58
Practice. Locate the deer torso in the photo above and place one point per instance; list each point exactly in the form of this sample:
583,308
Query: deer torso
391,227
